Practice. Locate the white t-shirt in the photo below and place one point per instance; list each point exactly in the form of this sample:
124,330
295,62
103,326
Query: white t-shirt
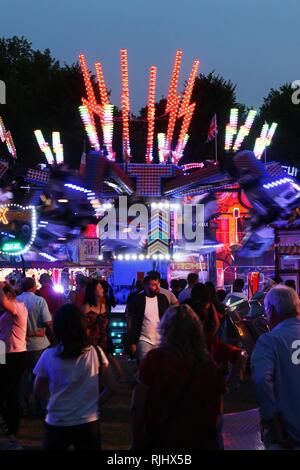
13,327
151,320
230,297
73,385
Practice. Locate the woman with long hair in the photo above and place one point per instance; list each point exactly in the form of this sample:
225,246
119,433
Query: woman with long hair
13,326
96,320
78,378
177,400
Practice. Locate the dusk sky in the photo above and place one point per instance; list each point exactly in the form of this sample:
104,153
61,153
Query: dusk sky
255,43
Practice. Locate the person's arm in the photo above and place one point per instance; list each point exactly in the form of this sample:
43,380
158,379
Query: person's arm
138,414
41,386
174,300
6,303
41,383
109,384
46,319
129,321
263,363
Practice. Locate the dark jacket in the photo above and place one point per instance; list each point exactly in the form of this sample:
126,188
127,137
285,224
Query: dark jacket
135,313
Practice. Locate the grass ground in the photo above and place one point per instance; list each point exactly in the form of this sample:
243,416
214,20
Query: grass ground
115,416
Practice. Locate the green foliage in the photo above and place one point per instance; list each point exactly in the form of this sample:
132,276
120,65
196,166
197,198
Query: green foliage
278,107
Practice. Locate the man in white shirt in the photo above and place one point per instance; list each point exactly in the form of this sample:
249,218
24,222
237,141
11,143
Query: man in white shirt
172,299
144,313
39,324
237,291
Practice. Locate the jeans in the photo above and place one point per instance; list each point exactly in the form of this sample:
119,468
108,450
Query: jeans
10,380
83,437
142,349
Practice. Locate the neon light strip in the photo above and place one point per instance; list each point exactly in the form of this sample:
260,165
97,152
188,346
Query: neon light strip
183,132
192,166
174,81
47,256
58,147
278,183
125,104
101,84
161,138
108,126
244,130
151,114
2,130
44,146
189,90
87,79
271,133
231,128
10,144
89,127
260,141
171,125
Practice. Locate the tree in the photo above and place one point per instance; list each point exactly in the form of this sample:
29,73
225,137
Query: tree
278,107
40,95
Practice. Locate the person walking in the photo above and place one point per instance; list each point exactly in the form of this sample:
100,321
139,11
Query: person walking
144,314
275,365
13,325
78,379
177,400
39,329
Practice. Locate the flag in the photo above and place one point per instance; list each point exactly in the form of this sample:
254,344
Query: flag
213,129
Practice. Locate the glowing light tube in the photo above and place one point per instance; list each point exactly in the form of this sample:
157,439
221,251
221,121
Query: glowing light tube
151,114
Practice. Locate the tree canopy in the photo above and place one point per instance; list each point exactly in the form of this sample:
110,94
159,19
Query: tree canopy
43,94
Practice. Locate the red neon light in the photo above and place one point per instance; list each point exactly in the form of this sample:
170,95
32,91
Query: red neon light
174,80
101,84
189,89
184,130
171,124
151,114
87,79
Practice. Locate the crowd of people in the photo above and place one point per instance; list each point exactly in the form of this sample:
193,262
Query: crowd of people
59,351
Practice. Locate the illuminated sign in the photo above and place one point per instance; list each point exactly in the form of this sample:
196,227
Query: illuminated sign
12,246
3,218
17,228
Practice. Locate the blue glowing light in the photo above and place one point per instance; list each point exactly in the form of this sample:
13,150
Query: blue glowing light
277,183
